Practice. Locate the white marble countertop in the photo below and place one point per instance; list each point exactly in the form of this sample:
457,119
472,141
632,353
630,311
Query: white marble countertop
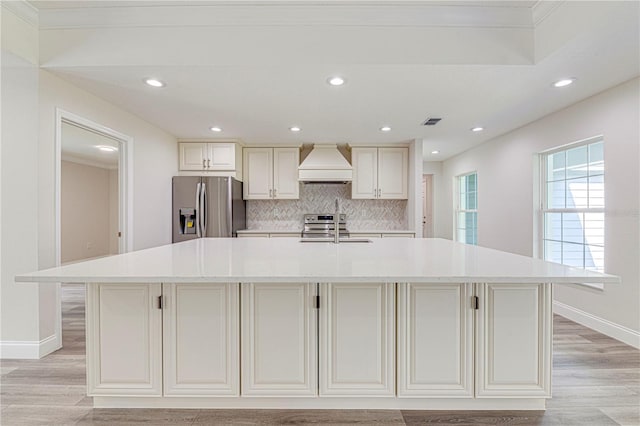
299,231
270,231
288,260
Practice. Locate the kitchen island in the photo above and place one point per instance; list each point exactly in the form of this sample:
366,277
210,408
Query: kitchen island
276,323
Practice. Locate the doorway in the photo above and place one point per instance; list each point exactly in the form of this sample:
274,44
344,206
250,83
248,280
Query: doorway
93,205
427,206
89,194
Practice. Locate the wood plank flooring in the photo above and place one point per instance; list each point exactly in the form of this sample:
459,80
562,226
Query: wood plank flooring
596,382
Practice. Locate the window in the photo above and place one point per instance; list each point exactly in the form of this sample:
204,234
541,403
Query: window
573,205
467,209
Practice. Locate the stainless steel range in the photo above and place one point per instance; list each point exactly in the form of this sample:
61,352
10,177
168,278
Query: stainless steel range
323,226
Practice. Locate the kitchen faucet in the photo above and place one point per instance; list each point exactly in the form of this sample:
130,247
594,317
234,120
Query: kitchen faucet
336,223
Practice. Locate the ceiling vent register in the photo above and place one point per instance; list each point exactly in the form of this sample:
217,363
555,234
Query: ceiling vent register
431,121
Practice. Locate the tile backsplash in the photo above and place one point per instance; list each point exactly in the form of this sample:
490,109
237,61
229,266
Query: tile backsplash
320,198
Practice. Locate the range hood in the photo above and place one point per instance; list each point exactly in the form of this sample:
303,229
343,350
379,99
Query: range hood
325,164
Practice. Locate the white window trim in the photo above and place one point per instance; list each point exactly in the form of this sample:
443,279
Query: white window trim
457,209
542,200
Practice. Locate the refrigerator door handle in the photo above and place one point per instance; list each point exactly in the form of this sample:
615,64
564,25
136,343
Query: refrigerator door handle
203,209
198,213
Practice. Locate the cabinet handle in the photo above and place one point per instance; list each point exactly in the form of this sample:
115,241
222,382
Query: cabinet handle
204,163
208,163
271,193
275,193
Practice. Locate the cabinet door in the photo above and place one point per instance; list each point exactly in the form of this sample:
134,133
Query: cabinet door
193,156
285,173
357,339
365,173
393,171
124,339
513,340
258,173
279,324
435,340
222,156
201,344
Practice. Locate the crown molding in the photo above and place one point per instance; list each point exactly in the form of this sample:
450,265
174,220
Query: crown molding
23,10
543,9
362,14
86,162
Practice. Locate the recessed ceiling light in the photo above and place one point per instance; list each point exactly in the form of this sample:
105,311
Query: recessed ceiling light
477,129
215,129
435,152
564,82
153,82
335,81
106,148
385,129
295,129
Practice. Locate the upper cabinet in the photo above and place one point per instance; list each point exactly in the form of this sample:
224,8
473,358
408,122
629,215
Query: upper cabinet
209,156
271,173
380,173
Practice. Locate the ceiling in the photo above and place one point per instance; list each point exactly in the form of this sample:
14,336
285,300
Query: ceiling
80,145
256,68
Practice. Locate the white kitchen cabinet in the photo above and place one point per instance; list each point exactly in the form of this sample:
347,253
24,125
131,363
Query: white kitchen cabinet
208,156
435,340
380,173
513,353
271,173
258,234
124,339
279,335
253,235
365,235
201,339
357,339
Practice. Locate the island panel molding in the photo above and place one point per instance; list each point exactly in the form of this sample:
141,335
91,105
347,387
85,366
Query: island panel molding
279,340
435,340
201,339
124,339
514,339
357,339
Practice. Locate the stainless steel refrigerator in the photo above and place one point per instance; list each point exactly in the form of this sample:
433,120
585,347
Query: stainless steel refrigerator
207,207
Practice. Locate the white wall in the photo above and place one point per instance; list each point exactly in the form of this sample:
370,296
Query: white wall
505,167
29,98
85,211
19,325
154,163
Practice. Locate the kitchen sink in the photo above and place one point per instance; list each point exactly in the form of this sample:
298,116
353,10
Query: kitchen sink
330,240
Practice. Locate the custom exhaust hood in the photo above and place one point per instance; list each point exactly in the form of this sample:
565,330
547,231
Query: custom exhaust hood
325,164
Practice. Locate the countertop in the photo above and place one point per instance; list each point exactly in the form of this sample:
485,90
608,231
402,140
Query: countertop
288,260
299,231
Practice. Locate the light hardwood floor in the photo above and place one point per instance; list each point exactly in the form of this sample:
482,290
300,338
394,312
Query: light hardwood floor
596,382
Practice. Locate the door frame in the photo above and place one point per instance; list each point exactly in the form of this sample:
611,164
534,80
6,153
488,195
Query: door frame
125,191
427,205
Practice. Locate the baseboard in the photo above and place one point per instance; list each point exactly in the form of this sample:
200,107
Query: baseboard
29,349
606,327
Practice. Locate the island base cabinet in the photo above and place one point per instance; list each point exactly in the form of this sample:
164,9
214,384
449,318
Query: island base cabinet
124,339
513,340
279,339
435,340
201,339
357,339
